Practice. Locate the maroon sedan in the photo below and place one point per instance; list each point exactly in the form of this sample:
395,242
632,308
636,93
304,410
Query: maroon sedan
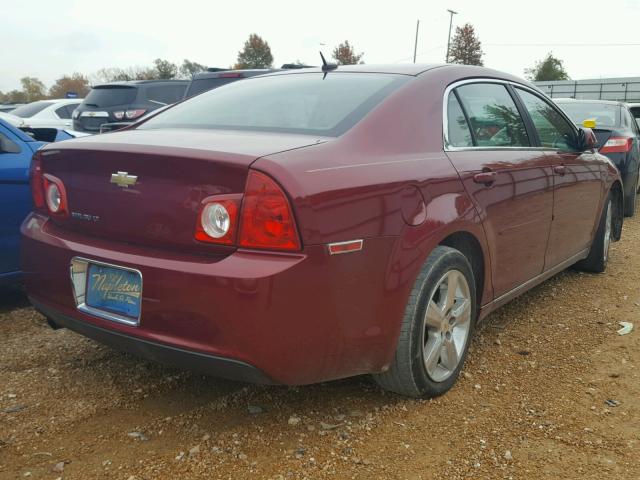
312,225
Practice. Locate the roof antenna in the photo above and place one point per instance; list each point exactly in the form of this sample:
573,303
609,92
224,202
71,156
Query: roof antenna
327,67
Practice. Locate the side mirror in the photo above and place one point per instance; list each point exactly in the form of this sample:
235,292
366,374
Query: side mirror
587,140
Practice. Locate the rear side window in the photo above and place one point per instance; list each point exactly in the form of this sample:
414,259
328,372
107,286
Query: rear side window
493,115
103,97
308,103
165,94
458,131
29,110
553,130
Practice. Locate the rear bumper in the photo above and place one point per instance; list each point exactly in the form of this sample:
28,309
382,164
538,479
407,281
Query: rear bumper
294,318
208,364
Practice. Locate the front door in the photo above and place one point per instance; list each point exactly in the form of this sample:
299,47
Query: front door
577,181
509,180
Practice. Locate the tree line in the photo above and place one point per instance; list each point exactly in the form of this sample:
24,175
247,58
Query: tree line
465,48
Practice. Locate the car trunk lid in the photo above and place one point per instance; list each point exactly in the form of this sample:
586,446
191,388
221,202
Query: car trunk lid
146,186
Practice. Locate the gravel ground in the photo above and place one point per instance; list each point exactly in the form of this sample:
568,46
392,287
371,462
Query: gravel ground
549,391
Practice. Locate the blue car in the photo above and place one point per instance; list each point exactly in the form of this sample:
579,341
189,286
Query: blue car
16,148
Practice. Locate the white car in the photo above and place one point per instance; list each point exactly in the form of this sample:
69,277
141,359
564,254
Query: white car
48,113
12,119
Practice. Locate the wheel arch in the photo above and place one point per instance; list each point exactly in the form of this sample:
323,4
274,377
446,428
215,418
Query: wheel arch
467,244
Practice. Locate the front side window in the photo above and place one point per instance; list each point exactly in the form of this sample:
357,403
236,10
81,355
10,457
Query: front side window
493,115
553,130
458,131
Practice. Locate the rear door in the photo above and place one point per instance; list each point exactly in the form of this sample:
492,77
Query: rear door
577,180
15,197
509,179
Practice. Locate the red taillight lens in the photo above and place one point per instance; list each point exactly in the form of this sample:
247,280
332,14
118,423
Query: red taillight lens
266,220
218,219
55,196
617,144
131,114
36,180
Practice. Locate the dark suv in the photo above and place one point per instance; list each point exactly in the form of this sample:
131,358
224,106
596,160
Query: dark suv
125,102
215,77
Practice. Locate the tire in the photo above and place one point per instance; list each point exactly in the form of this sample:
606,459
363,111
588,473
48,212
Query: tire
598,256
434,325
630,201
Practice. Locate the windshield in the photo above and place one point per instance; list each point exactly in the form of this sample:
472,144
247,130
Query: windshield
110,96
605,115
29,110
295,103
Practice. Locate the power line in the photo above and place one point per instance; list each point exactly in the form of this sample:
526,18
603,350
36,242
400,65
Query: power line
561,44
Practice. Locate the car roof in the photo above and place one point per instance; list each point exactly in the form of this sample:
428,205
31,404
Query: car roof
580,100
131,83
226,73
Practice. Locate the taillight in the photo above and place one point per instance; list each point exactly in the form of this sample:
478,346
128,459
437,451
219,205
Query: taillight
266,220
36,180
119,115
55,196
218,219
617,145
131,114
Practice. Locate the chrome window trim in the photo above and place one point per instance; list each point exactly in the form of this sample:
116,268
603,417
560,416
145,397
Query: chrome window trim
445,117
78,268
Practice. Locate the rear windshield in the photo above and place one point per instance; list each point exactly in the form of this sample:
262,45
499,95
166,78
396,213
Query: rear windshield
103,97
29,110
203,84
295,103
605,115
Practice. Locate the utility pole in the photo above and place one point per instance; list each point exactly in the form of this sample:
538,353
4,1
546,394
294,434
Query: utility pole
415,47
449,38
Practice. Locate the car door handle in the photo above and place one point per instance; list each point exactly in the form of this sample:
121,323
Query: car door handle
560,169
487,178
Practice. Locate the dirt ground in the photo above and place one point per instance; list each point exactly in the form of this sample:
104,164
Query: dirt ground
550,390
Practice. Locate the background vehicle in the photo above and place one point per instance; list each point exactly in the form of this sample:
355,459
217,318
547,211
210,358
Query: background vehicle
16,150
7,107
618,138
48,113
303,226
125,102
215,77
12,119
634,108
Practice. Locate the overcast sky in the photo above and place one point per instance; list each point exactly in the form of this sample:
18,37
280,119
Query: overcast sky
47,39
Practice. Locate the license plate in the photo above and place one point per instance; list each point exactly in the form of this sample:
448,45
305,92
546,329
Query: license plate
114,290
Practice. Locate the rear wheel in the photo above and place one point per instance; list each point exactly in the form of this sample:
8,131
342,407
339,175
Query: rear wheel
599,253
630,201
436,328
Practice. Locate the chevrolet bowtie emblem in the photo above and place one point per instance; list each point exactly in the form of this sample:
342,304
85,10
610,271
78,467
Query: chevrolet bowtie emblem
123,179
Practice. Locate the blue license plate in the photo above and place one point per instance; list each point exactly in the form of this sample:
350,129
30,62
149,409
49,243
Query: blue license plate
114,290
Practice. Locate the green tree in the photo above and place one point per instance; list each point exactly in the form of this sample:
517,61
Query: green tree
33,89
255,54
466,48
70,83
550,68
165,69
345,54
15,96
188,68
